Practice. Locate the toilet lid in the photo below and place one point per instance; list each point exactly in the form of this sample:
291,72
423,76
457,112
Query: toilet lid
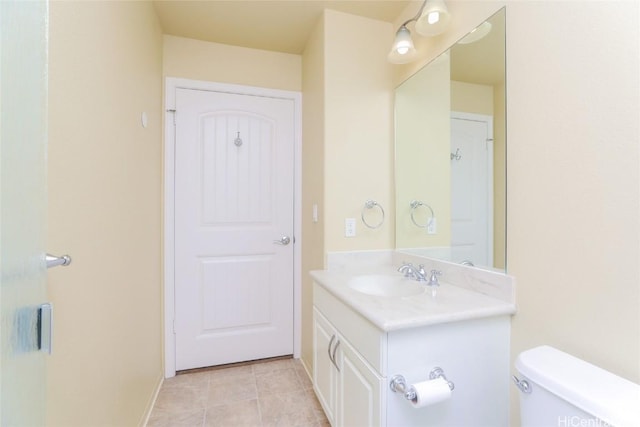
600,393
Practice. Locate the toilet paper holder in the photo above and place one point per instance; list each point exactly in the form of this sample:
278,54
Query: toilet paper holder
399,385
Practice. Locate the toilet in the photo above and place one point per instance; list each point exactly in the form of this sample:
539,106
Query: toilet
560,390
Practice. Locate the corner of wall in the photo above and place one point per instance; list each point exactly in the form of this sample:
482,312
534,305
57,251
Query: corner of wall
313,118
359,134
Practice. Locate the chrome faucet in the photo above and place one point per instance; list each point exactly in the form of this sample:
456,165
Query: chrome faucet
433,278
406,269
410,271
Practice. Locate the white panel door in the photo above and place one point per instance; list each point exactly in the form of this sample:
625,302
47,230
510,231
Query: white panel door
472,190
234,207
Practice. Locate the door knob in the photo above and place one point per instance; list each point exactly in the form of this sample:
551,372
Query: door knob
54,261
284,241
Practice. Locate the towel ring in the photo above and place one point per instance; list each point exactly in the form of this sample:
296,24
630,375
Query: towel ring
415,204
370,204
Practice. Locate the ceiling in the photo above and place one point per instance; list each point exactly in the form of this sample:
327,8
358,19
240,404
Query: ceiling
282,26
285,26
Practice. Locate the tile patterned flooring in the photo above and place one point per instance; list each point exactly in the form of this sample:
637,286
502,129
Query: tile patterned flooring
270,393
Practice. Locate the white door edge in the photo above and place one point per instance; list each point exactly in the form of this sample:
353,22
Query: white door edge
489,122
171,85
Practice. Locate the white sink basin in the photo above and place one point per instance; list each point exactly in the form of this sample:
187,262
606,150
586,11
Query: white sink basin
382,285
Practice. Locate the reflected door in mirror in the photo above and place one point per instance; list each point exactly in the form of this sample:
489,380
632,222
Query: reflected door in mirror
471,189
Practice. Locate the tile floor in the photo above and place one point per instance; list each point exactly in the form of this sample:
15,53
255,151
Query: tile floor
270,393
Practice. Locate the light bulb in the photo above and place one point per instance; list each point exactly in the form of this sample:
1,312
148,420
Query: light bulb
403,46
402,50
433,19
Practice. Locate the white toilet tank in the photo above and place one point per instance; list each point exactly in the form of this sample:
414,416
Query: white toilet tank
565,391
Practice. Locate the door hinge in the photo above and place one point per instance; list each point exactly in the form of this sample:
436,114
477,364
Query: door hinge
174,115
174,326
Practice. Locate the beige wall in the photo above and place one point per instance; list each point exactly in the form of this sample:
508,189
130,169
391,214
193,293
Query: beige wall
358,130
313,105
104,179
200,60
471,98
422,147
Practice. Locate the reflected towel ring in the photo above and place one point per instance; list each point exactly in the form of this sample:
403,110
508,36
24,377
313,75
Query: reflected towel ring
370,204
415,204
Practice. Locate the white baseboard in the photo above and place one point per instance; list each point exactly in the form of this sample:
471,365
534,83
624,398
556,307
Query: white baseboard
152,402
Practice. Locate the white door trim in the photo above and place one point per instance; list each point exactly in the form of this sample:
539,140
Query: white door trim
171,84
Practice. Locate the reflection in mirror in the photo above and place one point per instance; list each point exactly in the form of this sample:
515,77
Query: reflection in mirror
450,153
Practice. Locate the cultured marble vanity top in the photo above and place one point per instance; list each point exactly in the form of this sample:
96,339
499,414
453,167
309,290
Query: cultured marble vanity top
451,303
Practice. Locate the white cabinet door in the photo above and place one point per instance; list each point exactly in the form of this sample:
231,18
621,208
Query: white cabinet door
349,389
325,373
360,391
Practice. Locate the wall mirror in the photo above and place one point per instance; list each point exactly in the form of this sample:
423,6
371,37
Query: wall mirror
450,146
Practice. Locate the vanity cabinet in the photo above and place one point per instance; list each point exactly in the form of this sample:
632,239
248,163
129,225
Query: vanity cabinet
354,361
349,390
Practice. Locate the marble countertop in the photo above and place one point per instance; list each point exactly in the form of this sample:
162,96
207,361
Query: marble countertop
450,304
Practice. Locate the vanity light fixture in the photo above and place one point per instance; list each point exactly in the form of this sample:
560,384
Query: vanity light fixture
431,20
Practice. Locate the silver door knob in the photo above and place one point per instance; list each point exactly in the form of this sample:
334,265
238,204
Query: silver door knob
284,241
54,261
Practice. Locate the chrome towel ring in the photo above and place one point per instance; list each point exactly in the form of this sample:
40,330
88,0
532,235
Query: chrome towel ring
415,204
370,204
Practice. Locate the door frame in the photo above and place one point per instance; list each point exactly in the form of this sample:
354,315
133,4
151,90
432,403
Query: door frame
171,85
488,120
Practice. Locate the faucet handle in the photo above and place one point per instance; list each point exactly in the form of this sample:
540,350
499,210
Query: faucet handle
409,270
433,277
421,269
